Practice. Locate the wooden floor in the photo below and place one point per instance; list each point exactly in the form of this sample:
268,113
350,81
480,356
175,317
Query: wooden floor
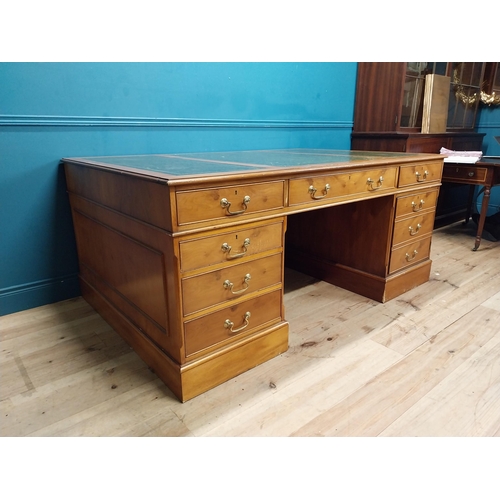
424,364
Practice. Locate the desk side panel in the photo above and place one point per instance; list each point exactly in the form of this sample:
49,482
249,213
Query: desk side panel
132,266
146,200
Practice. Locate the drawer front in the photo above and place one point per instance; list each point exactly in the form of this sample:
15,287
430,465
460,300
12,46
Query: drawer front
413,228
228,202
465,173
420,174
415,203
328,187
410,254
232,322
216,287
231,246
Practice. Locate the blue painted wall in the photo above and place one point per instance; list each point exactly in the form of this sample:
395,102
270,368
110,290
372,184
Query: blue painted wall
53,110
489,124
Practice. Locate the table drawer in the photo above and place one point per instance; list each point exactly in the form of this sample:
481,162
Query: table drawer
420,173
229,201
230,246
232,322
413,227
322,188
216,287
416,202
467,173
410,254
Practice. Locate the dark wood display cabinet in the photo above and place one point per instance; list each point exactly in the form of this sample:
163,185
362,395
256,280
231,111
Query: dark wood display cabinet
389,109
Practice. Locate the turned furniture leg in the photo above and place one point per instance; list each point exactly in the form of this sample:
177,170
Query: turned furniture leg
482,217
472,190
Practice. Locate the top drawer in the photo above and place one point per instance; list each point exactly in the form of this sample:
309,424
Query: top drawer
328,187
467,173
420,173
228,202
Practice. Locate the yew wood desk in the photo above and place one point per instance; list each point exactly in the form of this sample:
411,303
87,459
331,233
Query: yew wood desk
184,254
482,173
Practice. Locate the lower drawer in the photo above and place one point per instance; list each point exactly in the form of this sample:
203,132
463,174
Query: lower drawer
413,228
410,254
416,202
232,322
215,287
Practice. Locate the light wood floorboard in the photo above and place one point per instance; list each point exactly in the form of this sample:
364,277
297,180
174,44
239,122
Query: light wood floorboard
424,364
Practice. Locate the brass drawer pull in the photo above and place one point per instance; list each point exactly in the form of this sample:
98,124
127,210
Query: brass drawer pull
470,174
424,177
246,283
413,232
312,190
370,183
225,203
230,325
227,248
418,207
409,257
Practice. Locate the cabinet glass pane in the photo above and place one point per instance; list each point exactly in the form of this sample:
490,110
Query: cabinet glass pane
462,108
496,81
464,94
413,99
413,94
440,68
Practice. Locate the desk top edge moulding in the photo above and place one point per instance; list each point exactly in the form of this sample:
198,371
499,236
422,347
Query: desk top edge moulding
184,254
188,165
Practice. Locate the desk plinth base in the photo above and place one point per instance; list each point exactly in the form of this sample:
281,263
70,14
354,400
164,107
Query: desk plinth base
194,378
369,285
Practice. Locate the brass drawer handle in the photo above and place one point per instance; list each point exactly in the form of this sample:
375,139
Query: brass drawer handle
370,183
227,248
409,257
470,174
424,177
312,191
413,232
225,203
246,283
230,325
418,207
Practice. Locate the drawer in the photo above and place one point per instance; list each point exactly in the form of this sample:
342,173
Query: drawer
216,287
420,173
467,173
322,188
410,254
413,227
232,322
230,246
416,202
228,202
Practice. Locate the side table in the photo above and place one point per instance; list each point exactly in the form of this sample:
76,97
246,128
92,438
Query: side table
484,173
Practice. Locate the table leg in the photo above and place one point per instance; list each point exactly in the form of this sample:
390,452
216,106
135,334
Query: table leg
472,190
482,217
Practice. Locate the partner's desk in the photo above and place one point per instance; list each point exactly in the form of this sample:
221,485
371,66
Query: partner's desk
184,254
